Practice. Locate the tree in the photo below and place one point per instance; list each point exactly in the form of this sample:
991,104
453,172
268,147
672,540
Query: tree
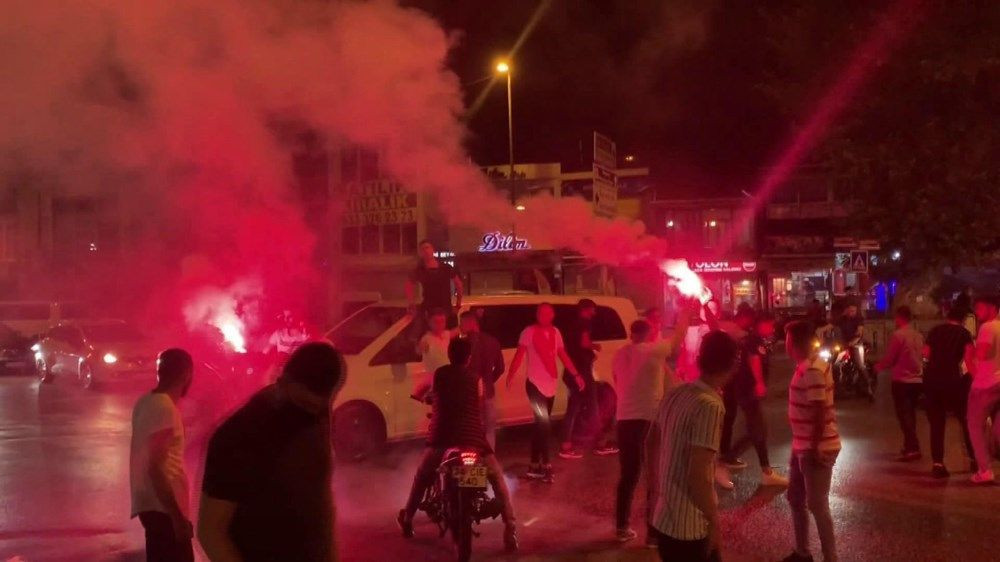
918,150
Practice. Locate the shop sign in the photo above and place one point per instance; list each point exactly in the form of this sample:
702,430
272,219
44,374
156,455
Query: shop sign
379,202
500,242
724,266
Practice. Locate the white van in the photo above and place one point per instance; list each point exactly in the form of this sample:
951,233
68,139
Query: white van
382,363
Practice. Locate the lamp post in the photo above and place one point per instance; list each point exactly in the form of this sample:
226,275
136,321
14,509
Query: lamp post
503,67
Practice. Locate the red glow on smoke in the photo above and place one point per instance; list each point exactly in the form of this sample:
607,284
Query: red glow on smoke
890,30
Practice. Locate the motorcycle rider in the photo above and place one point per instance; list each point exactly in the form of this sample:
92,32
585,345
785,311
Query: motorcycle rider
456,421
852,330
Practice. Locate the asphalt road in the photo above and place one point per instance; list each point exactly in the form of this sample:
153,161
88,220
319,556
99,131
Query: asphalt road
64,492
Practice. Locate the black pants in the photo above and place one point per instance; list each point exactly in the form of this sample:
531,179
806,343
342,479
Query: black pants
906,396
676,550
756,428
541,407
161,544
950,397
631,441
581,407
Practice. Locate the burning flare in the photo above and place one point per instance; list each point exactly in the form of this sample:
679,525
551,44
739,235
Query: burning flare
686,281
218,307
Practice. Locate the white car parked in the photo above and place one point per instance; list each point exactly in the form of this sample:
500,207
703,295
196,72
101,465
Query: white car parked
382,363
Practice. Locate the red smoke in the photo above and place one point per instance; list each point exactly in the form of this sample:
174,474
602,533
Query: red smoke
181,113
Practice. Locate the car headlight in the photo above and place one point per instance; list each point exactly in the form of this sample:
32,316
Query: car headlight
110,358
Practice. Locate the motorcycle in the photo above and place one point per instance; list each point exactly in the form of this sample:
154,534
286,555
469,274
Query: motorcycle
457,499
847,376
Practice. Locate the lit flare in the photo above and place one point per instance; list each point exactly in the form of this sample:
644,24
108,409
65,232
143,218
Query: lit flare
687,282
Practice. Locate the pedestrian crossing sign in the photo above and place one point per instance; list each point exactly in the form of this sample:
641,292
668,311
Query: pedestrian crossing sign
859,261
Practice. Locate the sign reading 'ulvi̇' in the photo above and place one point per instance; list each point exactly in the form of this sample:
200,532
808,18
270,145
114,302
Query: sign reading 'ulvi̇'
379,202
500,242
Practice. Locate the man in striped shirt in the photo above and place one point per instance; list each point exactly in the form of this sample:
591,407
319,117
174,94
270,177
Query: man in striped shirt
682,446
815,443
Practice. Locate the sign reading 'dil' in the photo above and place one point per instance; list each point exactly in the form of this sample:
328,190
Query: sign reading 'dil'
500,242
724,266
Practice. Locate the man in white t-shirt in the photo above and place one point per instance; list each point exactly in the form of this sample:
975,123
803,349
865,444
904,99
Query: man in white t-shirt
158,481
984,398
687,360
542,344
640,374
433,348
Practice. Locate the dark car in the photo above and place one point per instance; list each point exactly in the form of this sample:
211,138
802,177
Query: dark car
96,353
15,352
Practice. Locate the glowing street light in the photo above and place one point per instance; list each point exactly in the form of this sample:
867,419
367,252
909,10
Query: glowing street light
503,67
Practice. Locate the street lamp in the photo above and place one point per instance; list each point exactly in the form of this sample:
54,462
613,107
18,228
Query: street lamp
503,67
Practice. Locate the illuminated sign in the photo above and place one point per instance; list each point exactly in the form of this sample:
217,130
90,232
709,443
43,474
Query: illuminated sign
500,242
724,266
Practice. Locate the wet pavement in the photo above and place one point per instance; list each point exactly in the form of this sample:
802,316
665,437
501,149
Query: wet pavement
64,492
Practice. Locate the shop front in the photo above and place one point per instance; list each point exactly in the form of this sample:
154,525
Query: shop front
501,261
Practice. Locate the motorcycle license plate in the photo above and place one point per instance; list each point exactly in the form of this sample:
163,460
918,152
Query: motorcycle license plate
470,476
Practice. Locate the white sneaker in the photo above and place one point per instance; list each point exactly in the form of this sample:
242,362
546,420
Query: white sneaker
773,479
983,477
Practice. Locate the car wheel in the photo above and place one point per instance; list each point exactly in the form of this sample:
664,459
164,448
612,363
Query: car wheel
358,430
42,368
87,377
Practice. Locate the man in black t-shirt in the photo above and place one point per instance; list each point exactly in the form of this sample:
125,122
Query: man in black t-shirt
946,387
745,391
435,279
266,491
582,406
456,421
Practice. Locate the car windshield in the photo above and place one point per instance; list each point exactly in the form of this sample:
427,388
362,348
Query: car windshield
360,330
118,332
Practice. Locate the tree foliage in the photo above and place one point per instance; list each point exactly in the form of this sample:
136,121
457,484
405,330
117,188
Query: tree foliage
918,150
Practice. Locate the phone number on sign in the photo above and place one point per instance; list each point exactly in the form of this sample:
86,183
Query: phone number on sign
395,216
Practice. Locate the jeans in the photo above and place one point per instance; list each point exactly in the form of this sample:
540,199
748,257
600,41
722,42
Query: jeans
809,492
541,407
756,428
581,408
906,396
676,550
942,399
632,442
488,408
983,403
161,543
427,472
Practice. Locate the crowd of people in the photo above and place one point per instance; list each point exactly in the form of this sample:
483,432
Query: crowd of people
266,487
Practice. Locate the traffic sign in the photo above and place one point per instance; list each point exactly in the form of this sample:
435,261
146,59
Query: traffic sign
605,191
859,261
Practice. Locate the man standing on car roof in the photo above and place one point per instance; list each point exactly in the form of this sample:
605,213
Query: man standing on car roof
435,279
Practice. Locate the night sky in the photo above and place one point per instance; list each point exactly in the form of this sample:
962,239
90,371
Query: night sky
682,84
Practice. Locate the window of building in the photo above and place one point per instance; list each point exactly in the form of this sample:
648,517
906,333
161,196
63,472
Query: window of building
350,240
370,238
391,238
